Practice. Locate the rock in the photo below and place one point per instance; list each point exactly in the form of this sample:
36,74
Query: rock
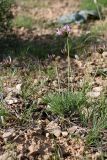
78,17
72,129
97,89
47,135
39,101
11,101
56,132
55,83
77,130
19,147
93,94
104,54
13,90
53,128
52,125
33,147
7,135
97,155
18,88
47,156
35,81
64,133
76,56
9,90
8,156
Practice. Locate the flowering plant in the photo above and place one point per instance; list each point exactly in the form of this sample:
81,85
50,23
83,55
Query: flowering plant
64,31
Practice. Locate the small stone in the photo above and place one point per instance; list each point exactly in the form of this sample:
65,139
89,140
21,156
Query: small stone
53,128
39,101
93,94
7,135
97,89
47,157
64,133
8,156
76,57
54,83
22,29
35,81
52,125
47,135
19,147
18,88
56,132
11,101
72,129
104,54
48,107
33,148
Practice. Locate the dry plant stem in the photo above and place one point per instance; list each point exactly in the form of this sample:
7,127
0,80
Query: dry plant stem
96,70
2,119
57,74
96,3
68,57
39,73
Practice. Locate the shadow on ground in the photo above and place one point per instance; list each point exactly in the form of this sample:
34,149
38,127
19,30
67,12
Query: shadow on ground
41,46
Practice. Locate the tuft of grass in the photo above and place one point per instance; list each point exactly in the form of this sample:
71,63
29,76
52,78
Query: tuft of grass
23,21
82,43
99,121
92,113
66,103
57,155
26,115
28,89
50,72
99,28
89,4
3,113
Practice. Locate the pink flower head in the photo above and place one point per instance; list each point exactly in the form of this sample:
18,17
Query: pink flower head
67,29
64,31
59,32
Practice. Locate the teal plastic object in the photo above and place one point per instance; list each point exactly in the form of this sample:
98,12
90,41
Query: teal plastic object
78,17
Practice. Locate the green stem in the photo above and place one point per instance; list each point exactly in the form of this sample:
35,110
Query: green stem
58,78
98,10
68,57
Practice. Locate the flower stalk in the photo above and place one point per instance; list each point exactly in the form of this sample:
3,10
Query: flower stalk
64,32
